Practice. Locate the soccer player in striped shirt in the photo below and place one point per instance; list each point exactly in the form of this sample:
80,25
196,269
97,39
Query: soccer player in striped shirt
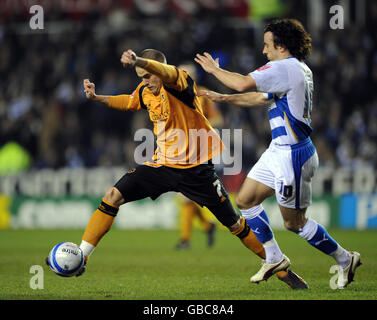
286,168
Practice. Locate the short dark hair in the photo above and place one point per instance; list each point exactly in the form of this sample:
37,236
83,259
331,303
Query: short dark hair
153,54
291,34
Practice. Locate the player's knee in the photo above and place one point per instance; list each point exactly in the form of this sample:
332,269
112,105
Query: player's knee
243,203
114,196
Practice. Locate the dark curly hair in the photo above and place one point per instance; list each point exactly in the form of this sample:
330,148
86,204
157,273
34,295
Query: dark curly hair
291,34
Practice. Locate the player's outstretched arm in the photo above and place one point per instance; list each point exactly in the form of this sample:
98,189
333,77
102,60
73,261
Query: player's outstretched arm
232,80
120,102
248,99
89,89
166,72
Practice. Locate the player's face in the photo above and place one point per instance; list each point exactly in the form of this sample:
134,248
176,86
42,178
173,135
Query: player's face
269,49
152,82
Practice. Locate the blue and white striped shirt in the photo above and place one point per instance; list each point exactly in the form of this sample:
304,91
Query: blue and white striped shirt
288,84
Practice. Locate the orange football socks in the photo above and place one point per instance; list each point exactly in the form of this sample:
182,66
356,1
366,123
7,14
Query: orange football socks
249,239
100,222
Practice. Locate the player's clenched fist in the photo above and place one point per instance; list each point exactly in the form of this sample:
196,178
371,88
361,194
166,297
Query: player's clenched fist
128,58
89,89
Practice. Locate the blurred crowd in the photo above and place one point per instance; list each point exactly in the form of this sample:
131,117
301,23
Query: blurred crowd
43,107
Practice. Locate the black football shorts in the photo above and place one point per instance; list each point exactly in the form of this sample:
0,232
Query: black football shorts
200,184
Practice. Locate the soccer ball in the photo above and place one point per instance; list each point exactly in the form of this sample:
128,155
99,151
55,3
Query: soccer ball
66,259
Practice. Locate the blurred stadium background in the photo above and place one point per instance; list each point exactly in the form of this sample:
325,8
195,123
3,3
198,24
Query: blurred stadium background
59,152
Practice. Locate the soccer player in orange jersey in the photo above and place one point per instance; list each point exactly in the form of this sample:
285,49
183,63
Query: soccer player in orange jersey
182,160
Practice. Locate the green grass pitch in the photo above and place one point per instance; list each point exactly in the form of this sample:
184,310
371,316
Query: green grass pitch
143,265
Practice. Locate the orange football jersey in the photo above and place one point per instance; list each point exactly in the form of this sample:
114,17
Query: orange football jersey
185,138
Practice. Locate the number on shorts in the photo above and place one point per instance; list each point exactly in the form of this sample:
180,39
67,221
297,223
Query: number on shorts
286,191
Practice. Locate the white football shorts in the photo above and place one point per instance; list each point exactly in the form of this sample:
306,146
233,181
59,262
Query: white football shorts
288,169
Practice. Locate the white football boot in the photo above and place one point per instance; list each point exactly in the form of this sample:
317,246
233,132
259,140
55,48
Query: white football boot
268,269
345,276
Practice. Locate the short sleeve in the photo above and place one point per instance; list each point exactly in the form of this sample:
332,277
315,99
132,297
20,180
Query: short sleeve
272,78
126,102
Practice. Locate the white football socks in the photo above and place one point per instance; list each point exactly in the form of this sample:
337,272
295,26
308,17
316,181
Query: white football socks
342,257
87,248
273,252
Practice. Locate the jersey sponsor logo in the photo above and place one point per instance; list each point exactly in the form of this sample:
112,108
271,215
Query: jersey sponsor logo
158,117
264,68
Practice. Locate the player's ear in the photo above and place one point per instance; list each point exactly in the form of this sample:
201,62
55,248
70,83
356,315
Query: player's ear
282,48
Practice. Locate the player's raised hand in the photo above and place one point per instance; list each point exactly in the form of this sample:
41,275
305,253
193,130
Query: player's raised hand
207,63
214,96
128,58
89,89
